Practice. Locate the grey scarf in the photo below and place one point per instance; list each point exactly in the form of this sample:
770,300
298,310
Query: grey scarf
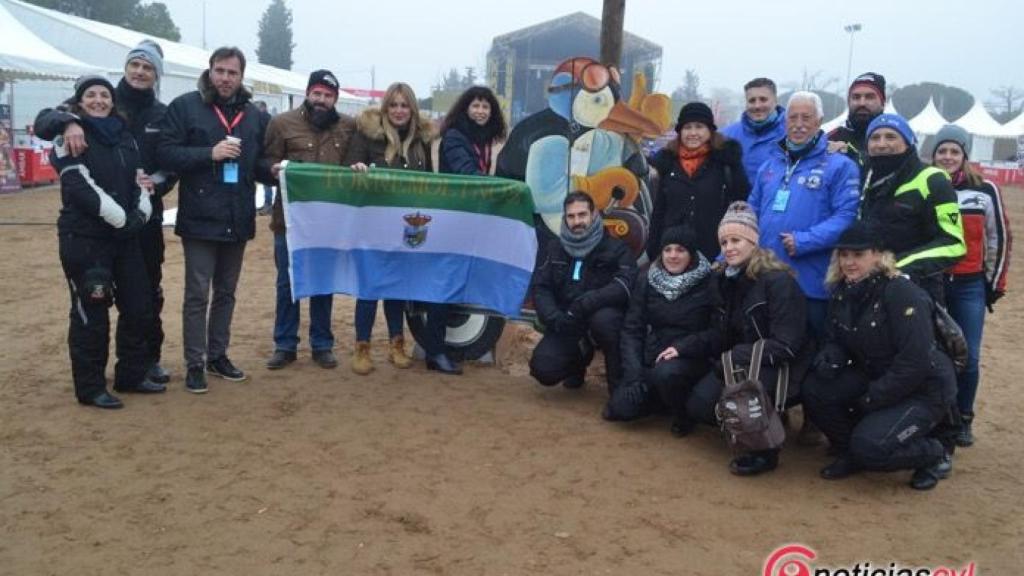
580,245
672,286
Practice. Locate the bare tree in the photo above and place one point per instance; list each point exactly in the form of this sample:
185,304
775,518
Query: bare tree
1005,102
612,18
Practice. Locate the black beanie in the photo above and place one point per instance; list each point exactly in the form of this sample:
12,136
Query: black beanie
872,80
860,236
323,78
84,82
681,235
696,112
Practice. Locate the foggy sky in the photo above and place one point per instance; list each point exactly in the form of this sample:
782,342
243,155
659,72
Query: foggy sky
974,45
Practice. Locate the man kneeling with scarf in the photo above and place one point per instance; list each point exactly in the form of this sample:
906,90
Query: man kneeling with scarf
581,291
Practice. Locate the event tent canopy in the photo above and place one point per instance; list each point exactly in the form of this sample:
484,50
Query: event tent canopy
1013,128
929,121
977,121
106,45
25,56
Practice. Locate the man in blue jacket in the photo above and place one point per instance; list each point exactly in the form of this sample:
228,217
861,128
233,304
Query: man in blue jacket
805,197
761,127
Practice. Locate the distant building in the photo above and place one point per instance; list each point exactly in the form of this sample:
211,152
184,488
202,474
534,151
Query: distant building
519,64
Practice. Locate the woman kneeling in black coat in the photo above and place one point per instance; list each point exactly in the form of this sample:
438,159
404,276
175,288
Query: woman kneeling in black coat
880,383
670,307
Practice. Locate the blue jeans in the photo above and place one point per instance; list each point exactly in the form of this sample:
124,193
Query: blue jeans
966,302
366,315
286,318
268,195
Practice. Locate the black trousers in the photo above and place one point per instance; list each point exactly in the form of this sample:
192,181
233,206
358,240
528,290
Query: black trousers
437,324
893,438
561,356
673,381
94,267
151,241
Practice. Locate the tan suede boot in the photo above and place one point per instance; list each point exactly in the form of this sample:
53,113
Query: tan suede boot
361,361
396,353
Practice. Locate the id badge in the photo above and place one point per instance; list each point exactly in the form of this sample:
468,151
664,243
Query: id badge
781,200
577,271
231,172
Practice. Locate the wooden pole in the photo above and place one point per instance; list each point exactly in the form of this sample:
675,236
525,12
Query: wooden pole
612,18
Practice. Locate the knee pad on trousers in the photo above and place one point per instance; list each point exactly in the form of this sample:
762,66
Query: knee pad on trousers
97,287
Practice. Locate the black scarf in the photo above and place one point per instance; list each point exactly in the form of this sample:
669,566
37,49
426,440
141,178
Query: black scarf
106,130
882,167
132,100
477,134
321,119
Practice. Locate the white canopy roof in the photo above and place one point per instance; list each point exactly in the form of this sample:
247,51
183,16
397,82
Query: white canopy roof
107,44
929,121
1013,128
23,55
977,121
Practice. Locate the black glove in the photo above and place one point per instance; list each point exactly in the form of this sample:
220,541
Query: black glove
583,306
134,221
829,362
991,296
564,323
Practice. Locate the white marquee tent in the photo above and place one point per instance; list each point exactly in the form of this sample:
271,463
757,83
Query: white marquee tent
1014,128
104,46
24,56
928,122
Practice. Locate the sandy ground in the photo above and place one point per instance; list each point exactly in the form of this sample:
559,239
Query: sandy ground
308,471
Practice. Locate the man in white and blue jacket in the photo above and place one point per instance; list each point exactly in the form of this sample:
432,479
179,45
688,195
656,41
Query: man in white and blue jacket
805,197
761,127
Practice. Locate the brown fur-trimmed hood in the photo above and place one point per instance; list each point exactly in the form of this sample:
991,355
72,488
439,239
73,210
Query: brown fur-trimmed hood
370,124
209,93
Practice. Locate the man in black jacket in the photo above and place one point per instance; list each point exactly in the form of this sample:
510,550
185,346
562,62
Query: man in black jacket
213,139
136,100
581,290
864,101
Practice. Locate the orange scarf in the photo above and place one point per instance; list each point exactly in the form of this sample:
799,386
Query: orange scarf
691,160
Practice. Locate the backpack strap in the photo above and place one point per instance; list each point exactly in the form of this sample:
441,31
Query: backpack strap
782,388
755,361
727,370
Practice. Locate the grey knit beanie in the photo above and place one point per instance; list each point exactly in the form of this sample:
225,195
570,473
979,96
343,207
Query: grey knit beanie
151,52
953,133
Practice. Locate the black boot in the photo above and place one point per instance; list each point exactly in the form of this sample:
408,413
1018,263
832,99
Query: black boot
755,463
965,437
842,467
927,477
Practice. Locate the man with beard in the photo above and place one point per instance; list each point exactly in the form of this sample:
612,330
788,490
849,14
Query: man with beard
580,291
213,139
314,132
865,101
136,99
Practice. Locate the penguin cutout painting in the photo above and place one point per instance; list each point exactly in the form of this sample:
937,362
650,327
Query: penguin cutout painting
588,140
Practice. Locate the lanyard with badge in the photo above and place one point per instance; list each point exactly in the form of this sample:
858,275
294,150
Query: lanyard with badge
231,166
782,195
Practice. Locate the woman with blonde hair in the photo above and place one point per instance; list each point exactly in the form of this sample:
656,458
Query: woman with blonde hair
392,136
757,298
879,383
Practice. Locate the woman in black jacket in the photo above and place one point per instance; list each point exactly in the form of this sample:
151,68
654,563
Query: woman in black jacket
102,211
757,299
472,135
670,307
880,384
699,174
